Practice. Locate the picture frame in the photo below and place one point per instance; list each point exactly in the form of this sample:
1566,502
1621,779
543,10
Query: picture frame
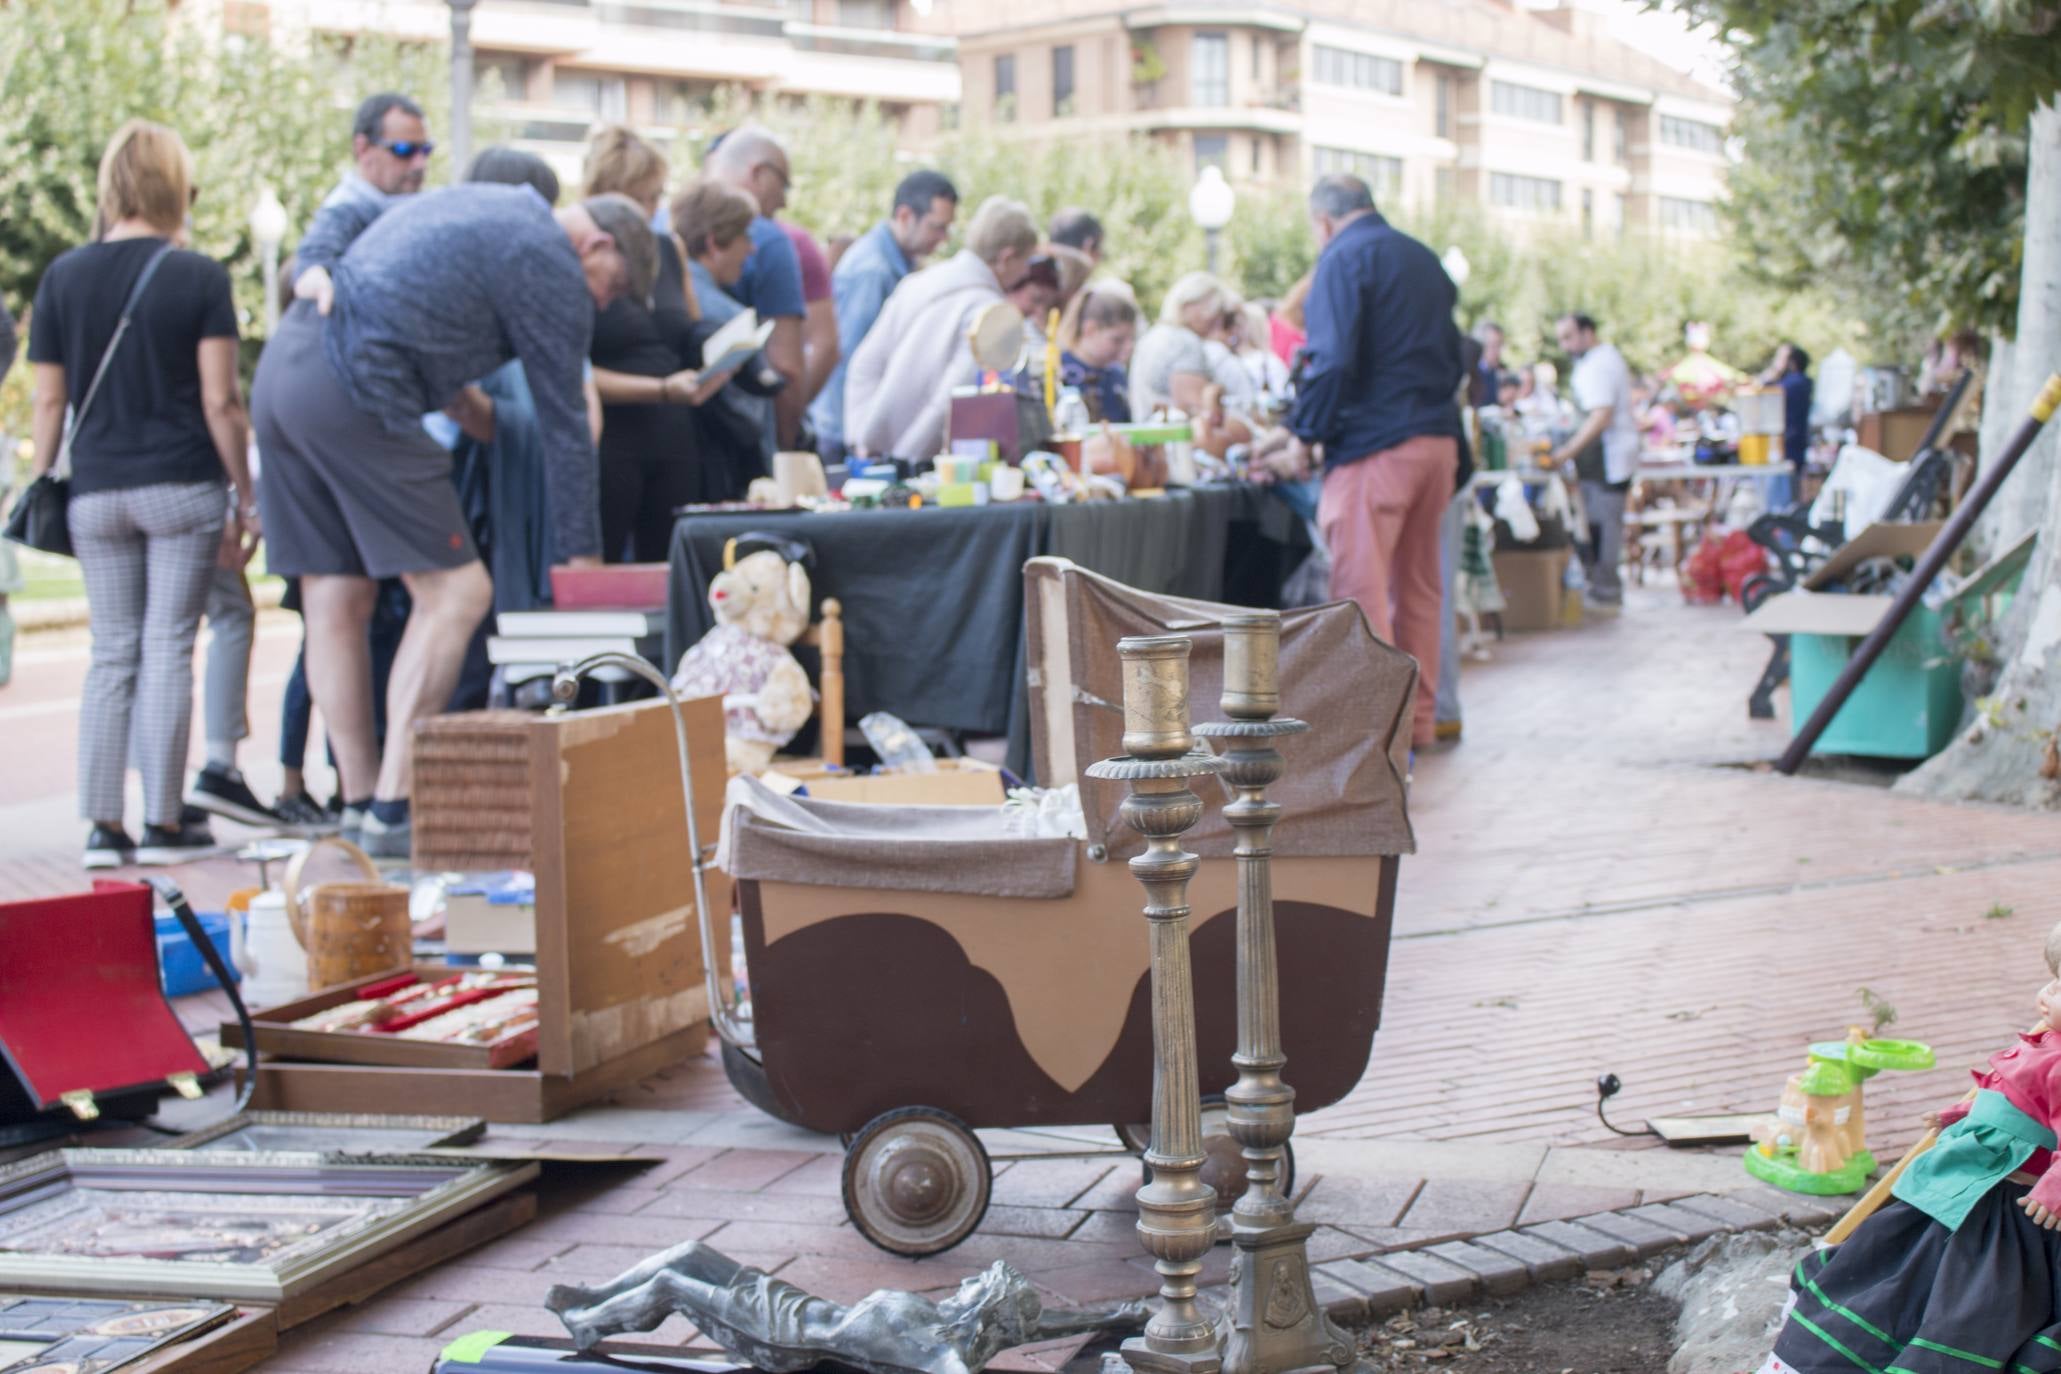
86,1334
332,1134
233,1227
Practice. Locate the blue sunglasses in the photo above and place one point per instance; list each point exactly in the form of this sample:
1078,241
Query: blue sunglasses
405,149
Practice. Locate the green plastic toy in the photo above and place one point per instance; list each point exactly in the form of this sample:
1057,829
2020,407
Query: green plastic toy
1814,1141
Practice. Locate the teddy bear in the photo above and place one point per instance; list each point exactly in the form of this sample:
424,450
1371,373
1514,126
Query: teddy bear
761,603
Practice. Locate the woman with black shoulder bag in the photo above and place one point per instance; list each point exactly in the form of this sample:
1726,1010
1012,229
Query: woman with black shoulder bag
137,338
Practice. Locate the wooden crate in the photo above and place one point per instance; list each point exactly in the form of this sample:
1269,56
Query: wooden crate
619,976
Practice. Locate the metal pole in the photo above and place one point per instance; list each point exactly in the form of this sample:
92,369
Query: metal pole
1209,239
1176,1210
461,85
271,251
1929,565
1276,1323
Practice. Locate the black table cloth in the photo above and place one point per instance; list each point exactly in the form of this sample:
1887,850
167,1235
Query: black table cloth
933,598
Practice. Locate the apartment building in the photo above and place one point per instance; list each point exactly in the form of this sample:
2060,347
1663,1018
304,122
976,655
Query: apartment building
547,71
1534,114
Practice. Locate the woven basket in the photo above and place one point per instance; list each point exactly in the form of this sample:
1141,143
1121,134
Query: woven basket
471,803
351,930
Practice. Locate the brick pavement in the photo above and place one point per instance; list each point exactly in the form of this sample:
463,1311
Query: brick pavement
1601,886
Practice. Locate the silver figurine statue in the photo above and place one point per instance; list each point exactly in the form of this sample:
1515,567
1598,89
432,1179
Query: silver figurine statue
778,1328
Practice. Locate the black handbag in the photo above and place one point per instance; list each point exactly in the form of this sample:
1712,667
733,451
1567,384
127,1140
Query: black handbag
39,518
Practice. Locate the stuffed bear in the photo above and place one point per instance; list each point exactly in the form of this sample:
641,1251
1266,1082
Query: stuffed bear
762,606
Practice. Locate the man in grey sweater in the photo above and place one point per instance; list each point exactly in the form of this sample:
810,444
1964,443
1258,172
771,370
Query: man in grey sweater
439,291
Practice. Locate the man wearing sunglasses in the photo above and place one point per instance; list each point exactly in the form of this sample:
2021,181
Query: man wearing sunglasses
390,148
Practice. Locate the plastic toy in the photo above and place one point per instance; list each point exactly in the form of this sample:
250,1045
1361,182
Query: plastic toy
1815,1142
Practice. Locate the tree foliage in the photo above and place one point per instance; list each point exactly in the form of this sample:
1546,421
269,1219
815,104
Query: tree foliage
1884,146
254,113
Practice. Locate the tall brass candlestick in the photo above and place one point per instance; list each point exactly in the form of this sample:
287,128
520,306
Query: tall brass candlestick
1276,1324
1176,1210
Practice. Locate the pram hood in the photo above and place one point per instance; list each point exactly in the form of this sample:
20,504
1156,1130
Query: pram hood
976,850
1343,793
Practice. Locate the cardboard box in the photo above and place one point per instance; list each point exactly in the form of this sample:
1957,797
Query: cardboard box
957,782
495,913
1532,583
1910,702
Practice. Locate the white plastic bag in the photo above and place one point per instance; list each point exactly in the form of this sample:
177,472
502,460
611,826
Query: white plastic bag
1515,511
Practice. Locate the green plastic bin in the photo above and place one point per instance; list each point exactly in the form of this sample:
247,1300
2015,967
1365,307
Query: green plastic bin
1905,708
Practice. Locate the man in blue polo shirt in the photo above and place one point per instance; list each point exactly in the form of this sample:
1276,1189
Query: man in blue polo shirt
1379,395
925,204
751,159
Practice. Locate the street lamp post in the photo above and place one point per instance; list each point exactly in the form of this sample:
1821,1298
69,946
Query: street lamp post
461,84
1210,203
268,230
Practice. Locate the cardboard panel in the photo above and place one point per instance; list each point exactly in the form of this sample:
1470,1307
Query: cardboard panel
618,940
1876,541
1812,613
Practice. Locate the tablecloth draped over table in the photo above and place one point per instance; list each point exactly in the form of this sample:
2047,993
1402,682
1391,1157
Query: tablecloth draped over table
933,598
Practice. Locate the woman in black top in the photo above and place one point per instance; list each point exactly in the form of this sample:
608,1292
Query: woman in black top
150,514
644,358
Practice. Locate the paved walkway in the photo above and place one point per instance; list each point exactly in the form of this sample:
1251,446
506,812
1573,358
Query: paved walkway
1604,883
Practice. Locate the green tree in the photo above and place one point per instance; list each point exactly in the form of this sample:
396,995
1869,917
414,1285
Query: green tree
254,113
1899,127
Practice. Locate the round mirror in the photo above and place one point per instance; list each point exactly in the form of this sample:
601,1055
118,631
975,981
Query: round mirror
997,339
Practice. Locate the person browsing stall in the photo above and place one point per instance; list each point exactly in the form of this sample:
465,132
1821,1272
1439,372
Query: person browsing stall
924,206
1377,395
355,490
1604,449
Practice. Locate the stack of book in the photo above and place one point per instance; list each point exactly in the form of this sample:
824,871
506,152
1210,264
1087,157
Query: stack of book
543,640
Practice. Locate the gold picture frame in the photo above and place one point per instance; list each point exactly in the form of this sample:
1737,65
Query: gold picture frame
234,1227
332,1134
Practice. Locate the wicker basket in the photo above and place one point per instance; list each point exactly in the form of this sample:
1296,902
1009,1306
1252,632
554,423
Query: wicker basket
471,803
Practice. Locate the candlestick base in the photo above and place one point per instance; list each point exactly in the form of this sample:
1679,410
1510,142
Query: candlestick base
1276,1324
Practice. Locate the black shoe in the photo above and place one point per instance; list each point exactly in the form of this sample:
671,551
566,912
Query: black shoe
164,845
109,847
301,812
227,794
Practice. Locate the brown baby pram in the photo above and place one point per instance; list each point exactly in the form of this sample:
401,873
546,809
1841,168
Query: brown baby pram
917,973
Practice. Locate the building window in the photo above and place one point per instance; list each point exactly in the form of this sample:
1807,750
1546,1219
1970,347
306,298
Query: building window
1534,195
1588,131
1588,213
1383,175
1679,216
1005,86
1442,185
1442,105
605,97
1692,134
866,14
1210,82
1624,213
1256,157
1257,75
1062,79
1359,70
1213,150
512,74
1524,102
1620,149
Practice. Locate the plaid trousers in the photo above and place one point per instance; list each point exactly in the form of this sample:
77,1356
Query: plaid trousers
147,555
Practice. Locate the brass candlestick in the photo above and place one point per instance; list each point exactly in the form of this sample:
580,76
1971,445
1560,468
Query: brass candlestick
1276,1324
1176,1210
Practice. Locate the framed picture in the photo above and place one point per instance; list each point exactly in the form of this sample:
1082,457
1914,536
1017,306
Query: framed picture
332,1133
249,1227
86,1336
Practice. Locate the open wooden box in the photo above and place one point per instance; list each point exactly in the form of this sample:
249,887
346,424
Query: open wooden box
278,1036
619,972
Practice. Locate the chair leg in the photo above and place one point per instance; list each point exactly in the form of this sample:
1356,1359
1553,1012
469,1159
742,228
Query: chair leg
1760,705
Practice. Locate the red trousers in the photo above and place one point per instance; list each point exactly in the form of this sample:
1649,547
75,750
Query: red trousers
1380,516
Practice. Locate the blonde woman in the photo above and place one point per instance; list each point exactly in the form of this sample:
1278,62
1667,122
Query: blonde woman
645,355
158,441
1171,366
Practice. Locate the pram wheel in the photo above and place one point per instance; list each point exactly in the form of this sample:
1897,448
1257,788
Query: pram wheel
916,1181
1224,1168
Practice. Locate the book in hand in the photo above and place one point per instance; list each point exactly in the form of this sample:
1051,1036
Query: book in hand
571,624
730,347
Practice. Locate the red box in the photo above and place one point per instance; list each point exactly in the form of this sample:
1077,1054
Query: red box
617,587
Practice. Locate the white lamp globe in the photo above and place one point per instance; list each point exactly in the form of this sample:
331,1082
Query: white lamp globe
268,220
1211,200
